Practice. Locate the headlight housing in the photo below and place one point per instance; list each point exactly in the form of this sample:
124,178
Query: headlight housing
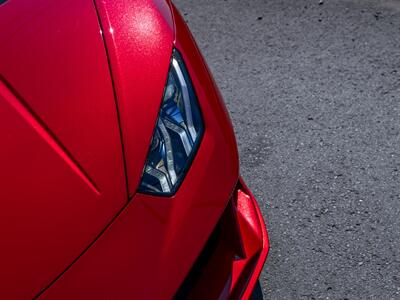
177,135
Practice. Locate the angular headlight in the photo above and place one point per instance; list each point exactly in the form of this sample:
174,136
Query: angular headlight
177,134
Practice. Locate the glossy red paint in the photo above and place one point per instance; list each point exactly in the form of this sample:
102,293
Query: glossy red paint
62,177
79,97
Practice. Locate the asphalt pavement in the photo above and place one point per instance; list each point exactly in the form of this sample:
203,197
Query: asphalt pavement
313,90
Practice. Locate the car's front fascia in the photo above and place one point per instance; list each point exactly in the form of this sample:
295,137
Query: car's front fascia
206,240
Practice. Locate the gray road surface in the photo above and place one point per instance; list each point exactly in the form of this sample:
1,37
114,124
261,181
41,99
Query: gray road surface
314,95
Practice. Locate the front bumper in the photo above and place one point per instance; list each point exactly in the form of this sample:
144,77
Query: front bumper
231,261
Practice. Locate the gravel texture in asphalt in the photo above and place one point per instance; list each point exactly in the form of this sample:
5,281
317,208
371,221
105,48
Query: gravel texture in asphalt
313,89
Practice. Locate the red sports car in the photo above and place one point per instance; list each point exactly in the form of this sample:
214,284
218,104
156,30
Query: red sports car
118,163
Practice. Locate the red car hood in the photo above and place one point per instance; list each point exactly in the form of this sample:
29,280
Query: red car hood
62,160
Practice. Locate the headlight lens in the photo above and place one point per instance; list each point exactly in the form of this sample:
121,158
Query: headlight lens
177,134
